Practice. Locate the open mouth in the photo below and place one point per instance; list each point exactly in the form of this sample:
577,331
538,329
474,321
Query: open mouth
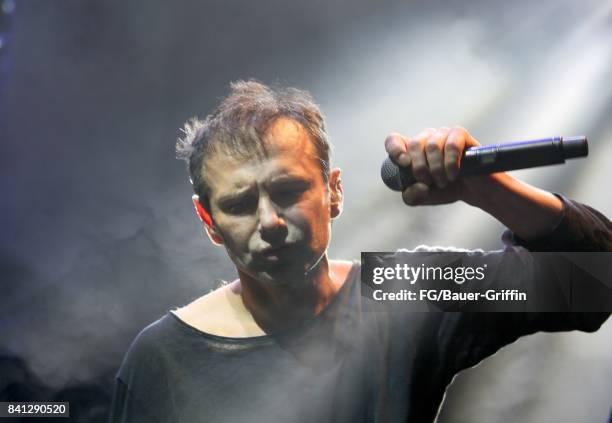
275,251
274,254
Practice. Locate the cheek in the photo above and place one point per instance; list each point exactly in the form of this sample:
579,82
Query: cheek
311,221
236,233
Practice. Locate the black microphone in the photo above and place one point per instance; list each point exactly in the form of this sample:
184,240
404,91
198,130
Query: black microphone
498,158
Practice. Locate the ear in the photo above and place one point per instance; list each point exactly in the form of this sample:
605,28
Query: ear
336,192
205,218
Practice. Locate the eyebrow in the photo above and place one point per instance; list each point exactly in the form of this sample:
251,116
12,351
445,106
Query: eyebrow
236,195
288,179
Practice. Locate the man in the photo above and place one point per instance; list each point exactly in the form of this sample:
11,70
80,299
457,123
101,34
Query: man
293,338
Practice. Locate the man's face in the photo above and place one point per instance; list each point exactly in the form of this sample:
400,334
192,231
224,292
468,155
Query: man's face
273,213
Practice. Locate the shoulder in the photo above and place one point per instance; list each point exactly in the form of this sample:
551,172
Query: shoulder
149,337
145,350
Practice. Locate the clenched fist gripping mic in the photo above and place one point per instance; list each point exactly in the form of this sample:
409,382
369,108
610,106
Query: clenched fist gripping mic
499,158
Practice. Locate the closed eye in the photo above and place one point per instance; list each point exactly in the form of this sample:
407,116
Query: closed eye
289,193
240,205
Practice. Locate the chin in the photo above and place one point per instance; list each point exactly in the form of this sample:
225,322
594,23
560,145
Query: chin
286,276
289,270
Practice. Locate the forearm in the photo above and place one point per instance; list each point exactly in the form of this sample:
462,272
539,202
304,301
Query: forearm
527,211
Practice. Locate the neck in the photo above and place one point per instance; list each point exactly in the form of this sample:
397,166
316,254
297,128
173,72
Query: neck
279,306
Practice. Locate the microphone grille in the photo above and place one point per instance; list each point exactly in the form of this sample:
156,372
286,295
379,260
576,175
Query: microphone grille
389,173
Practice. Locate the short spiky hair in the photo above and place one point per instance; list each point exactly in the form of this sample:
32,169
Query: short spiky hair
238,124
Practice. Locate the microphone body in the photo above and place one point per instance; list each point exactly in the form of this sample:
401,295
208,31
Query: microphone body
498,158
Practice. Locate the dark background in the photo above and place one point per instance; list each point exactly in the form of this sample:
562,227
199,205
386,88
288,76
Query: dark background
98,237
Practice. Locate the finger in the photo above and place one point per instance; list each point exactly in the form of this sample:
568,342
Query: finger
420,194
397,149
453,150
416,194
434,153
416,149
450,194
470,141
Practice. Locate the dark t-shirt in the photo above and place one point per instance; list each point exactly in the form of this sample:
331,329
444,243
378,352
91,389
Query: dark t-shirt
351,363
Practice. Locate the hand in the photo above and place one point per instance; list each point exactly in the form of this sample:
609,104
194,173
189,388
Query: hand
435,158
434,155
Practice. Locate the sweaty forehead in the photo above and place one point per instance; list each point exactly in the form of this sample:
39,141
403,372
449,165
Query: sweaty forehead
285,143
287,135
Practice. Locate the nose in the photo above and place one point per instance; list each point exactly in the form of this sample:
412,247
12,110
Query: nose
272,226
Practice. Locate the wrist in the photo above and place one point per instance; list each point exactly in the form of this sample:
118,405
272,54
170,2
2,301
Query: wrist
480,190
